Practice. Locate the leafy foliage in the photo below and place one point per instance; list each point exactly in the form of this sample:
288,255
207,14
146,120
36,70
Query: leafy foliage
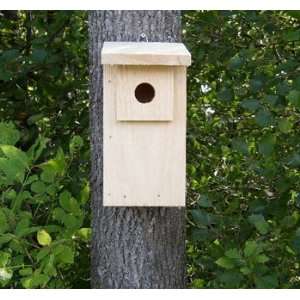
43,75
41,223
44,159
243,149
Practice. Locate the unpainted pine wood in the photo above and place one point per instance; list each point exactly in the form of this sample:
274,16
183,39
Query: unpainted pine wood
144,53
124,83
144,162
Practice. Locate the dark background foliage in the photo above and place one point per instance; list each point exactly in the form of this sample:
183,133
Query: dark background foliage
43,91
243,149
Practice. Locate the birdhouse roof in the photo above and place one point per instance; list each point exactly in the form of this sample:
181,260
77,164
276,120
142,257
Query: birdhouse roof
144,53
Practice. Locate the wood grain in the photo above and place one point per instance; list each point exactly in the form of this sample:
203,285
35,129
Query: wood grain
144,162
142,53
124,83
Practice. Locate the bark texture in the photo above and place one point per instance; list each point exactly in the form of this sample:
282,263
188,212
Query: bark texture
131,247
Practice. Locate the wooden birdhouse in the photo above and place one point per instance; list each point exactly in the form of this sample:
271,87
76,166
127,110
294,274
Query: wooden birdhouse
144,123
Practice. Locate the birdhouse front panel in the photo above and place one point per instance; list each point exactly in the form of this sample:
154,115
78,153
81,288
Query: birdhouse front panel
144,124
144,93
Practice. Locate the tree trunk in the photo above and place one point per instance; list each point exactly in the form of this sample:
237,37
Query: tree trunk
131,247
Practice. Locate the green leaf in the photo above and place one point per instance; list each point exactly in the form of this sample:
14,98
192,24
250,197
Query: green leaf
65,200
263,118
203,201
85,234
71,222
296,244
296,241
245,270
17,203
15,154
4,258
51,189
226,94
260,223
22,224
3,222
250,104
235,62
57,165
44,238
34,119
233,253
11,194
294,160
5,75
15,163
262,258
294,13
291,35
48,175
266,282
85,193
239,144
272,100
9,135
35,280
76,144
38,187
12,170
251,248
50,267
25,271
5,274
59,214
266,144
15,246
294,98
201,217
37,148
28,231
297,200
285,125
27,283
31,179
231,278
198,283
225,262
255,85
66,255
296,83
5,238
58,249
9,55
199,234
42,253
68,203
38,55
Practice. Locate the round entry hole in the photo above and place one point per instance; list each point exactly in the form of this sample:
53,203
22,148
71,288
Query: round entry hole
144,92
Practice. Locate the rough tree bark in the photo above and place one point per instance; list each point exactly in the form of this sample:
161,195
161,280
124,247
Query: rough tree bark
131,247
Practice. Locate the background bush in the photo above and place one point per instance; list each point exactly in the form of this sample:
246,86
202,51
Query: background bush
243,149
44,161
41,221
